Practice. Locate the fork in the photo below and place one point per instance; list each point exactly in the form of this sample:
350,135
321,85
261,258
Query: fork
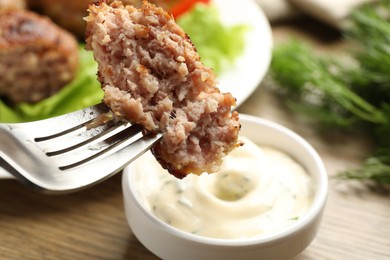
73,151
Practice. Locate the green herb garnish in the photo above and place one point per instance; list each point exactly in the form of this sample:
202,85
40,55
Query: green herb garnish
345,93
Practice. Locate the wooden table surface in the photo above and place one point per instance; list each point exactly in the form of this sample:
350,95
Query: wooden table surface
91,224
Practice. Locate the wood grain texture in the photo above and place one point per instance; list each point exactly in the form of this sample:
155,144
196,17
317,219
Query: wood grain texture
91,224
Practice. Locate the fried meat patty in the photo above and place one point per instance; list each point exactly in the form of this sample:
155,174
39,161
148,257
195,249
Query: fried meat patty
37,58
152,75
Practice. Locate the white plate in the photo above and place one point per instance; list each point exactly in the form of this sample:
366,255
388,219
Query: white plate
249,70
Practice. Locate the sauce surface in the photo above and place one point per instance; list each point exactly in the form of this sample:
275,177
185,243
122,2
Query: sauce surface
258,191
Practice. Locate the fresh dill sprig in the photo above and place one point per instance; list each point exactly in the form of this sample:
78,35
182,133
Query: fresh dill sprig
372,169
371,31
318,83
345,92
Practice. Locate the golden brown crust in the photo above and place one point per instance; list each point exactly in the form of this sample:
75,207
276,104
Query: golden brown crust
40,57
21,27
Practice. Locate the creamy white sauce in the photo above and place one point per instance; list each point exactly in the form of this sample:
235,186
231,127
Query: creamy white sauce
257,191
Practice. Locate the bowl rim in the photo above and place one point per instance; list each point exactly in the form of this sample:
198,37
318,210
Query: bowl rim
313,212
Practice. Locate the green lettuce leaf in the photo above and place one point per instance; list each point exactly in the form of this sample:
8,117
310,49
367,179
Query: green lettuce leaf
218,45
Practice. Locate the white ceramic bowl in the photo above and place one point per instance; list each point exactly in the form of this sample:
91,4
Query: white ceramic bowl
168,242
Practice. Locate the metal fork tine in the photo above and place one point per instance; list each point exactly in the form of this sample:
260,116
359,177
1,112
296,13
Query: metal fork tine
127,153
94,139
64,124
122,137
62,133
